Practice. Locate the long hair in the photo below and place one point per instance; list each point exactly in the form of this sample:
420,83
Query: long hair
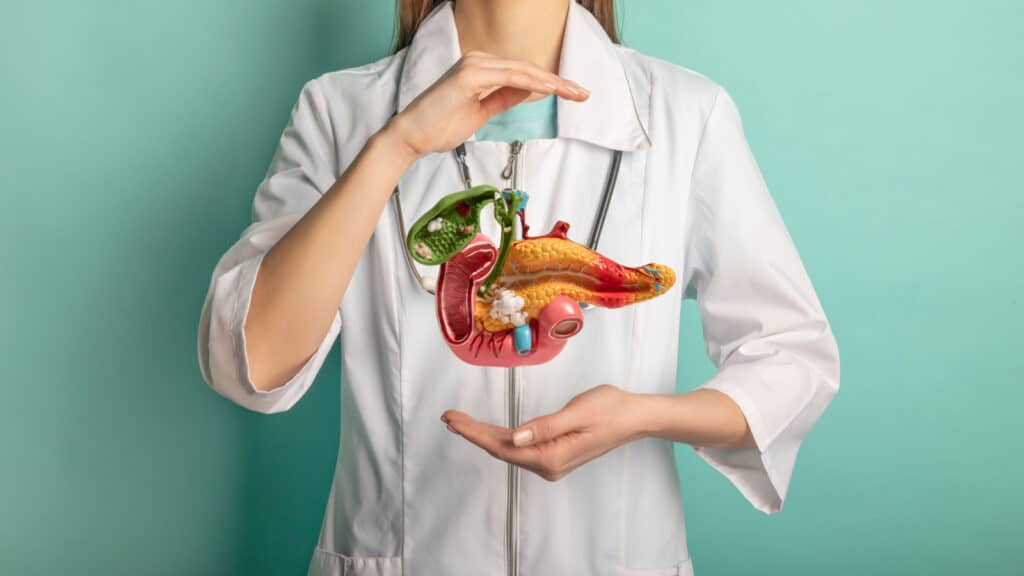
411,12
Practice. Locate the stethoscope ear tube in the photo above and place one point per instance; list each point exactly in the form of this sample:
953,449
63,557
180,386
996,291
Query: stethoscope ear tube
427,283
606,199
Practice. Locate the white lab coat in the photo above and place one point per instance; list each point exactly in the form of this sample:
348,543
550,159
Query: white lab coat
411,498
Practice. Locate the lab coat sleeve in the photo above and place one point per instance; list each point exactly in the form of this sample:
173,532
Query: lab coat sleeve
300,173
764,327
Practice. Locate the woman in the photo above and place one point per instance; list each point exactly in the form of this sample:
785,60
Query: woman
586,484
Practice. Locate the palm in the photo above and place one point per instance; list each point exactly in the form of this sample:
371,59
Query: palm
588,426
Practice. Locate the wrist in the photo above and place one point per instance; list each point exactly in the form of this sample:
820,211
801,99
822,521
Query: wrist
390,139
642,410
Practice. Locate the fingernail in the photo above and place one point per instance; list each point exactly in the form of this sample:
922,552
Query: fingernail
522,437
443,419
580,89
453,430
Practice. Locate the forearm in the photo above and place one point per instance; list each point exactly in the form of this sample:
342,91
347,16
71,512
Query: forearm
304,276
701,417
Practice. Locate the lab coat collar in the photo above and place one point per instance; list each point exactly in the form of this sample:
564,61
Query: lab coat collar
610,117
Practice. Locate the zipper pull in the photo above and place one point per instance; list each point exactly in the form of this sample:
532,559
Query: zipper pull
509,170
460,156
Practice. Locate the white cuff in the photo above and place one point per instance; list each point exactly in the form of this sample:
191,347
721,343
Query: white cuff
762,473
229,361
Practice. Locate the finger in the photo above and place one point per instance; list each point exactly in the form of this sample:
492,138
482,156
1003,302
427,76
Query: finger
502,99
547,428
482,79
496,441
458,418
475,61
458,422
529,68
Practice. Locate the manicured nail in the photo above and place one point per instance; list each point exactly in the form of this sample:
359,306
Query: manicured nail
522,437
580,89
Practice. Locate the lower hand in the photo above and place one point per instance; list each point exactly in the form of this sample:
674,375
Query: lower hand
551,446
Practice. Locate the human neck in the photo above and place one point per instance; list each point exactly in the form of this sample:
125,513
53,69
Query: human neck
528,30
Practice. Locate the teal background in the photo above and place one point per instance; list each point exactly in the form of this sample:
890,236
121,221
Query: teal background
134,134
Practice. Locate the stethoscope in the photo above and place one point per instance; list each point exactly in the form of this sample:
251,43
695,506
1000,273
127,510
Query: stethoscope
428,284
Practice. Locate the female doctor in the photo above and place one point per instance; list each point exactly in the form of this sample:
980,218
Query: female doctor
441,471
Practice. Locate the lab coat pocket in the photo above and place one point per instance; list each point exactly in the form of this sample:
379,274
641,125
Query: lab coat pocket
326,563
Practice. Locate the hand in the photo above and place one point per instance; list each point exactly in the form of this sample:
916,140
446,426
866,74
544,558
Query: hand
551,446
473,90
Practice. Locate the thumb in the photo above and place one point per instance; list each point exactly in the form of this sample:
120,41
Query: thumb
502,99
545,428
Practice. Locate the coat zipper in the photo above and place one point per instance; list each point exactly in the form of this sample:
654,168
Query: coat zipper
512,514
511,173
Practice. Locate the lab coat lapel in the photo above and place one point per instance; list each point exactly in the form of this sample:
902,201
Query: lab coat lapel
610,117
433,50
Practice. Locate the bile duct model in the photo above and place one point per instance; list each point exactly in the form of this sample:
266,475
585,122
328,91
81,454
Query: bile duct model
517,304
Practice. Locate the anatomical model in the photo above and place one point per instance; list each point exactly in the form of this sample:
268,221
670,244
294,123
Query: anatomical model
517,304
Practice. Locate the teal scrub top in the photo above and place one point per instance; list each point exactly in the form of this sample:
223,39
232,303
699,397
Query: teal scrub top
524,121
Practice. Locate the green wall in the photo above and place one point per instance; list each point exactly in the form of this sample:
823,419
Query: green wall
135,132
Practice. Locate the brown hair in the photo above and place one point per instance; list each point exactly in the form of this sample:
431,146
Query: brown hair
411,12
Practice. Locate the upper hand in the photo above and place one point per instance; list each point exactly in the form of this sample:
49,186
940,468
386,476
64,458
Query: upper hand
475,88
551,446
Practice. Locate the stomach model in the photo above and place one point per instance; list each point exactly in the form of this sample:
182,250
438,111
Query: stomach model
517,304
